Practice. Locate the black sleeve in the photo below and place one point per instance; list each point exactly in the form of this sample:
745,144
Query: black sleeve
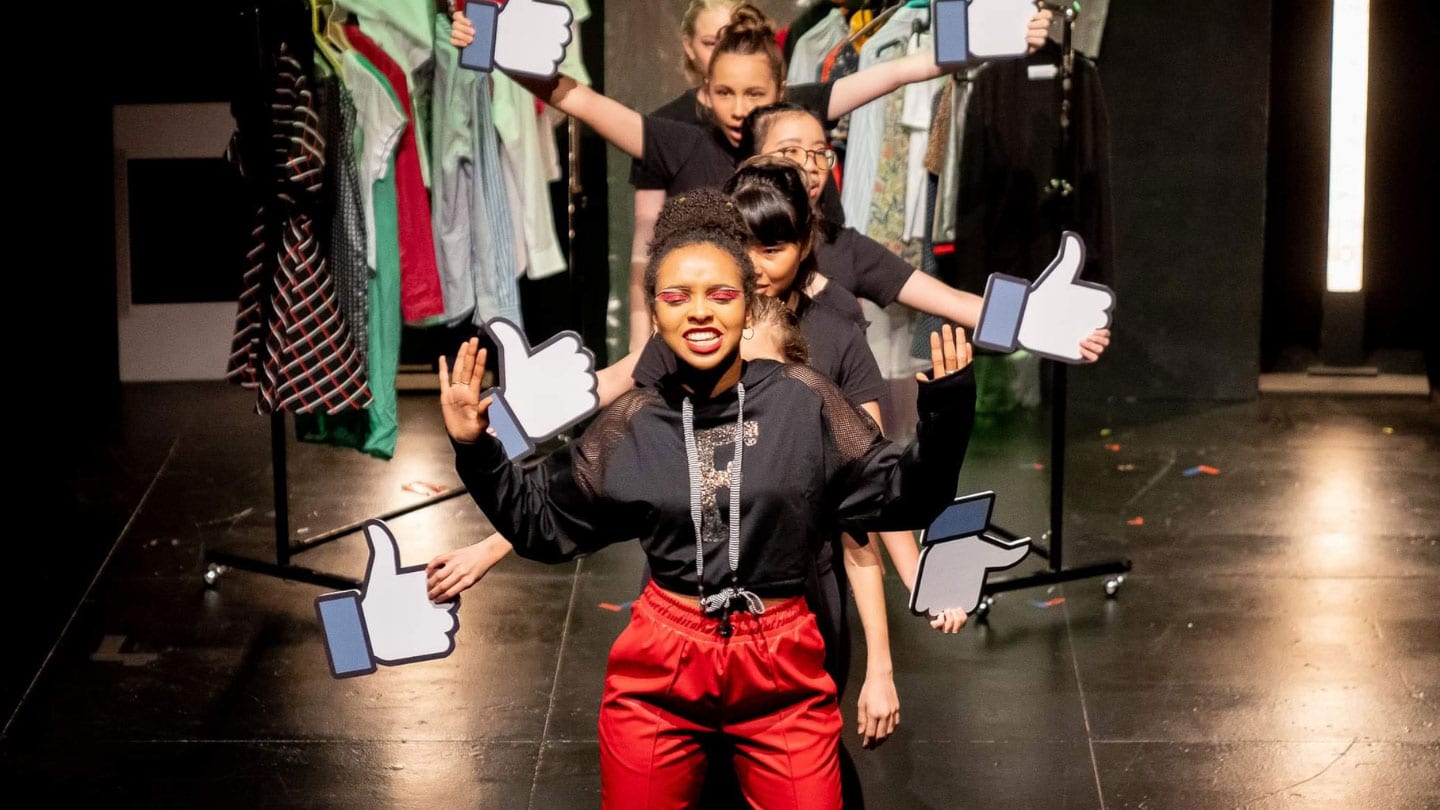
874,484
681,108
655,364
555,510
668,145
643,178
859,375
813,97
879,273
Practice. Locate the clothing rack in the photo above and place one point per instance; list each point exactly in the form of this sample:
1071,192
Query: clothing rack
1053,553
286,548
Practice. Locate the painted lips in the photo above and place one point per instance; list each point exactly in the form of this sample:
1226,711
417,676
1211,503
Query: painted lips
702,341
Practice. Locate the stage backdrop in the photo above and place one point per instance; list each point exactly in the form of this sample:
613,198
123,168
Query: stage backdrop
1187,90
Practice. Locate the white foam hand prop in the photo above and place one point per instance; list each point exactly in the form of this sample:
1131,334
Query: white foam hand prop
972,31
1049,317
390,620
543,389
525,36
952,573
959,550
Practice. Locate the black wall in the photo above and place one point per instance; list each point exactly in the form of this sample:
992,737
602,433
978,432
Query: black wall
1186,88
1401,263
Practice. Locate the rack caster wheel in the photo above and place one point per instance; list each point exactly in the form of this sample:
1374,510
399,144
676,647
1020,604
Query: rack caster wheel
1112,585
982,610
212,574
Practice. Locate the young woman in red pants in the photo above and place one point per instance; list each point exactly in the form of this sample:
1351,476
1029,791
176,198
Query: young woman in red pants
732,474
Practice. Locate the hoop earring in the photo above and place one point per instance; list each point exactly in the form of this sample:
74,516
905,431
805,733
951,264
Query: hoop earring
748,332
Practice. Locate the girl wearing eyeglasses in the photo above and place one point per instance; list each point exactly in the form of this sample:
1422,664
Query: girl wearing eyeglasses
746,70
848,258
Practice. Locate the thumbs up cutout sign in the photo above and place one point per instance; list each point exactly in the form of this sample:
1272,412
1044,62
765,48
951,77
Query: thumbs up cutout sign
390,620
960,549
524,36
543,389
1049,317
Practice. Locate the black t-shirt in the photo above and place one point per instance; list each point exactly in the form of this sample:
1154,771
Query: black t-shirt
694,154
837,349
841,300
863,266
684,108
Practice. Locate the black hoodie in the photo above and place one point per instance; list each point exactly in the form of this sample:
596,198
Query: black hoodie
812,464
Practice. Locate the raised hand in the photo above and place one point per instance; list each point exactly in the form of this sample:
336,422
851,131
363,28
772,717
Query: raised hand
949,353
466,413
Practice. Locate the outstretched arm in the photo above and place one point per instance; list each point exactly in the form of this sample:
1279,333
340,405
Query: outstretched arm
934,297
615,122
861,88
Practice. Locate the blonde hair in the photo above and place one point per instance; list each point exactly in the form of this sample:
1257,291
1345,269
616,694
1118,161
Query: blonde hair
693,72
772,312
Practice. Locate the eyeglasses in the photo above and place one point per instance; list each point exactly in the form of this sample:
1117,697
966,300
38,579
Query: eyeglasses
823,157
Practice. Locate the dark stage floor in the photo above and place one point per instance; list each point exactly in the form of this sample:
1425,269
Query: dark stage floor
1277,644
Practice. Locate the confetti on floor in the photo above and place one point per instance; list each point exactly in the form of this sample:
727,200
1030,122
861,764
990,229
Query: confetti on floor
1112,447
1125,467
1049,603
423,488
1203,468
1135,521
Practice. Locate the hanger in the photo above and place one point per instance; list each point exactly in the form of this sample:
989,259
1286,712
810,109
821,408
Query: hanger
323,44
869,28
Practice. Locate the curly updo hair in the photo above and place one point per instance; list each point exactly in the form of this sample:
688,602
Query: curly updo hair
700,217
750,33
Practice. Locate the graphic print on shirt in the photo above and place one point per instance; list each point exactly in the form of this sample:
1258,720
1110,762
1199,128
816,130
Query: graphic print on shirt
711,446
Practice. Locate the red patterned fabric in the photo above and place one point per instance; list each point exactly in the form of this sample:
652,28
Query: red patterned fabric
291,342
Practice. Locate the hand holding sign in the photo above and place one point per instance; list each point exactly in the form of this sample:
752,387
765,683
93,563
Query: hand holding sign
390,620
542,391
1050,317
973,31
526,36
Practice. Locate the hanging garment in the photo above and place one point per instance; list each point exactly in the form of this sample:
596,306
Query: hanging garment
347,234
473,231
403,30
519,130
493,214
916,116
804,22
814,45
379,121
521,133
291,342
867,124
947,193
452,177
473,227
421,296
1009,213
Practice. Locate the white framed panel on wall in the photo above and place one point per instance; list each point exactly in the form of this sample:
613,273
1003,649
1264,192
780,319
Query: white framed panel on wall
179,240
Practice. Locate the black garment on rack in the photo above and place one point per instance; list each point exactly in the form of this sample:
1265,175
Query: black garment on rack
1008,217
